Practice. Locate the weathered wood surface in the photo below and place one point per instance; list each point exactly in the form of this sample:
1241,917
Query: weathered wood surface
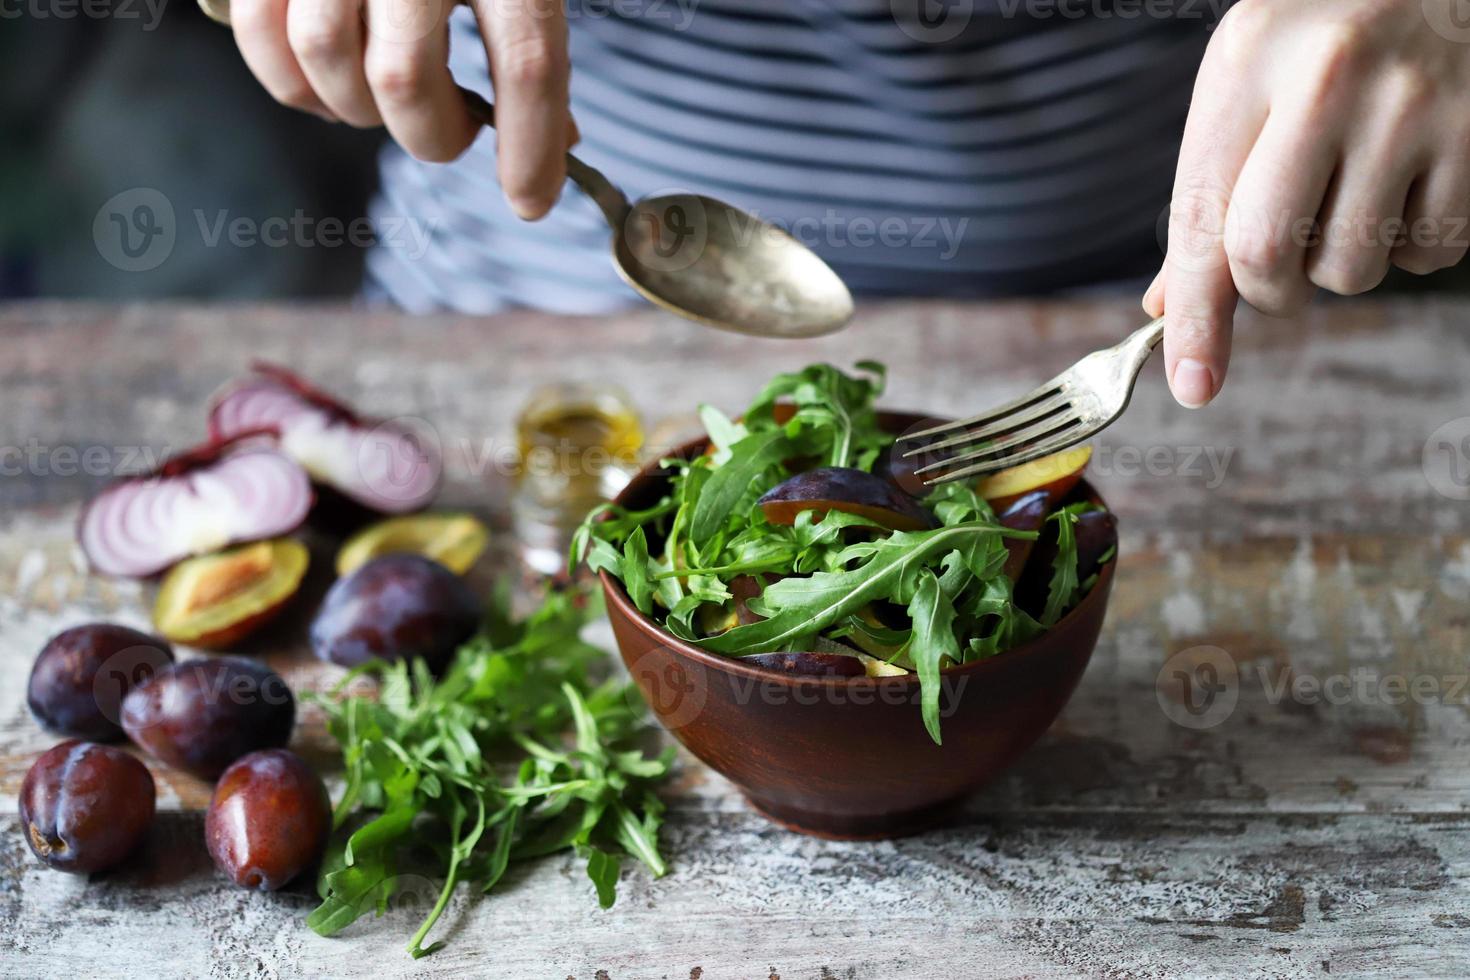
1294,525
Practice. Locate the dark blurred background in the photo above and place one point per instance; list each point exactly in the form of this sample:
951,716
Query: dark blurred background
102,97
131,94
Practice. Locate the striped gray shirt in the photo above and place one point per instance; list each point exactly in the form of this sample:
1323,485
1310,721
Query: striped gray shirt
1012,146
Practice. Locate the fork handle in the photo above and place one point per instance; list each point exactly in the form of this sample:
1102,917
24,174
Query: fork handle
1148,336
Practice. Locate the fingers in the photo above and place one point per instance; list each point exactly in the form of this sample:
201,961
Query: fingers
407,68
1436,215
1153,297
1361,219
328,39
1224,122
527,44
260,34
1273,212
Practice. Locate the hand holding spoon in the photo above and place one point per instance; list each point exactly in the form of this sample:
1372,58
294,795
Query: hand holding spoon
700,258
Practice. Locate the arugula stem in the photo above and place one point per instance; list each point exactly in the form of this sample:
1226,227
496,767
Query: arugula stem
414,949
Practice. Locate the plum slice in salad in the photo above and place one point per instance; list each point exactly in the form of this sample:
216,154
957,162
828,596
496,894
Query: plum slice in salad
800,495
385,465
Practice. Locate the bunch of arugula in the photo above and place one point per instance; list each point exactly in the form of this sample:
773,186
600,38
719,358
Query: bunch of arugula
951,579
472,770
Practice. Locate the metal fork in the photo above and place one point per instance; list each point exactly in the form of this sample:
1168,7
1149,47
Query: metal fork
1070,408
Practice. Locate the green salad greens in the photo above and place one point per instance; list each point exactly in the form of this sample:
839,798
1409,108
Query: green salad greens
836,578
515,752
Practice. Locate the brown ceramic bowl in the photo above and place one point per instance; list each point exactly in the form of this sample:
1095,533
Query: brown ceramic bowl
848,757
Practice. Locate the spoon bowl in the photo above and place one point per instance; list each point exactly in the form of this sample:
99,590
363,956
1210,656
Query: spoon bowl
716,264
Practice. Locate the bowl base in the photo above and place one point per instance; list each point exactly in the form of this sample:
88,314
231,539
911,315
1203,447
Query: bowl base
884,826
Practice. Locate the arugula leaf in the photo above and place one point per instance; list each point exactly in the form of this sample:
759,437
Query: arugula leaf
801,606
602,868
634,571
421,776
749,458
933,641
1064,585
723,433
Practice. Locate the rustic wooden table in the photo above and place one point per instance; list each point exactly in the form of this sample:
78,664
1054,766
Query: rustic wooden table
1312,817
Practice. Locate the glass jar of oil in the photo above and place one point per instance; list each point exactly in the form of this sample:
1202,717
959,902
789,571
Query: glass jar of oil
578,444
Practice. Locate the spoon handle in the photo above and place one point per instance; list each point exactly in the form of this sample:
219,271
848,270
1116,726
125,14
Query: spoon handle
604,194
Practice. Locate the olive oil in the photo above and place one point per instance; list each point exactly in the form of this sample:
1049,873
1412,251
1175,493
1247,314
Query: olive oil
577,446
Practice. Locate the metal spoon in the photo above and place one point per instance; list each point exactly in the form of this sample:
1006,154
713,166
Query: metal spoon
698,257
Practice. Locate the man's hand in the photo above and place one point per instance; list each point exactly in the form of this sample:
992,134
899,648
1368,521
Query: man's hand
385,63
1327,140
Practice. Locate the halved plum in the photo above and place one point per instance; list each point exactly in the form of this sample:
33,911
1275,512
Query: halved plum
900,469
714,619
455,541
851,491
1027,513
217,600
1096,534
1057,474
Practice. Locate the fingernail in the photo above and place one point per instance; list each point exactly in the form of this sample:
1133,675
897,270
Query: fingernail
529,208
1193,384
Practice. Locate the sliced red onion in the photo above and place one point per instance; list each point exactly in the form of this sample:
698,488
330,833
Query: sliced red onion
384,465
219,494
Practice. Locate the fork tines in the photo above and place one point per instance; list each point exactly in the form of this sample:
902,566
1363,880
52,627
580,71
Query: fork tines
1037,424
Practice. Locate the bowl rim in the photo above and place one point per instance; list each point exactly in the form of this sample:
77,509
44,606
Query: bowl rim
617,594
